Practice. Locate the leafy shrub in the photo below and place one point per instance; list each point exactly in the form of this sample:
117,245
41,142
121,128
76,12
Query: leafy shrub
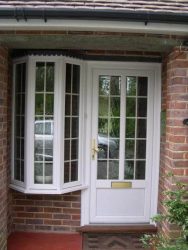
177,213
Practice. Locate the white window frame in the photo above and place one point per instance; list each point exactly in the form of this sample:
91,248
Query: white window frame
58,186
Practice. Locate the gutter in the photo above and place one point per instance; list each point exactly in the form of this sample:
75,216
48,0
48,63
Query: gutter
24,13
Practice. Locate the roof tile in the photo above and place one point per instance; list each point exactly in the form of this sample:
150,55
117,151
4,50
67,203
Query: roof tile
170,6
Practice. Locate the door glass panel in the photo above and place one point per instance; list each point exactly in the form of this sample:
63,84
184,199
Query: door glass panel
108,127
136,127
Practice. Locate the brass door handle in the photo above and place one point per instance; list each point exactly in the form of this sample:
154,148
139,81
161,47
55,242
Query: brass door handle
95,149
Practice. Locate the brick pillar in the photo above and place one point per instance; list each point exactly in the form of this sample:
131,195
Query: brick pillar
3,146
174,143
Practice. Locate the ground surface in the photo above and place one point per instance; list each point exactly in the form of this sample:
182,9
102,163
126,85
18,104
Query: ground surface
44,241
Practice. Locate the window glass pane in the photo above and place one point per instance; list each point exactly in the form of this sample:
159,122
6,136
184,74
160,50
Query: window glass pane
76,79
39,173
142,107
66,172
104,106
40,75
131,86
50,77
114,126
49,109
102,170
141,149
115,106
75,105
129,170
67,150
74,170
68,77
103,126
74,149
141,128
75,127
67,105
48,173
142,86
130,128
129,149
115,85
131,107
39,104
113,170
140,170
113,148
67,127
104,85
19,121
71,129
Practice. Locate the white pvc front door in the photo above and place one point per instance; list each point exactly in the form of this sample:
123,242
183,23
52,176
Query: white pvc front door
122,132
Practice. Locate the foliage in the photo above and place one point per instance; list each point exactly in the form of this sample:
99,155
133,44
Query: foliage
177,214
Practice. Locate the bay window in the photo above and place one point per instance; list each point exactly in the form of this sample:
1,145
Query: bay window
46,131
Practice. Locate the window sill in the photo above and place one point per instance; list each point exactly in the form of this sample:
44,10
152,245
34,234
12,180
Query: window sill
46,191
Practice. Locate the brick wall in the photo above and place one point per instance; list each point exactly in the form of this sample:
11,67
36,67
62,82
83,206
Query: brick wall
46,212
3,145
174,142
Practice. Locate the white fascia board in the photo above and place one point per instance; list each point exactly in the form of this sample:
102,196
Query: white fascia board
94,25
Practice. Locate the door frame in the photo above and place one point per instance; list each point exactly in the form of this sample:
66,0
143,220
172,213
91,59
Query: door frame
153,68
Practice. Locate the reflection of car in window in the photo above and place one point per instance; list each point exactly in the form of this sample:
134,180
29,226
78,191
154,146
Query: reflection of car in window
105,142
44,140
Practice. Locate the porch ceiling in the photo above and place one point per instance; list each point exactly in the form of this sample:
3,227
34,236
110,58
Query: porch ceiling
90,41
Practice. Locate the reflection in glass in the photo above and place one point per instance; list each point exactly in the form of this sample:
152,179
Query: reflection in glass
103,106
140,170
131,86
49,109
130,128
39,104
130,107
104,85
129,170
113,170
113,148
115,85
114,106
129,149
103,126
102,170
39,173
67,105
75,126
48,173
50,77
40,72
114,126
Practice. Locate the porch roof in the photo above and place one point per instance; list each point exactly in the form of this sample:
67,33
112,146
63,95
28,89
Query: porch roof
136,10
165,6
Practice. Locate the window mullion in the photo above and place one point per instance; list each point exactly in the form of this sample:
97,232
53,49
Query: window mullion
122,128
